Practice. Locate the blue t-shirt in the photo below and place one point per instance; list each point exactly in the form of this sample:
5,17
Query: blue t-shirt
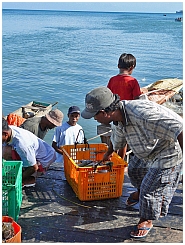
31,148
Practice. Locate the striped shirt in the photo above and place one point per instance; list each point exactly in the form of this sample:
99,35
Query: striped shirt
151,132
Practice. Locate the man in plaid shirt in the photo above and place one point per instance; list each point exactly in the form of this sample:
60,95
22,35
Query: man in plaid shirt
154,133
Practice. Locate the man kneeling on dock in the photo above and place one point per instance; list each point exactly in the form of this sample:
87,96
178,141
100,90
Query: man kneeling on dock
35,153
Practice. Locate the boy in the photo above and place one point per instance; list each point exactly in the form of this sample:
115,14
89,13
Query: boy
126,87
124,84
69,133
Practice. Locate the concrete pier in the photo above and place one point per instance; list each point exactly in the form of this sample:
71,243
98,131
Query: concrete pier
51,212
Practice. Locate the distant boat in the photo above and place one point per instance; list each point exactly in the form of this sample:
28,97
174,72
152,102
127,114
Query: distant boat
179,19
179,12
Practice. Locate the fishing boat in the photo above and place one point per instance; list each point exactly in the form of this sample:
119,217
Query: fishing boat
32,109
167,92
179,19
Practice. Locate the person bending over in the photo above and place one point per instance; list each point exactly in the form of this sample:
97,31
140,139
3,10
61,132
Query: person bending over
31,150
155,136
41,125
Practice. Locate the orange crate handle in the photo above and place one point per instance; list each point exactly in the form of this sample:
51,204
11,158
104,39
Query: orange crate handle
70,158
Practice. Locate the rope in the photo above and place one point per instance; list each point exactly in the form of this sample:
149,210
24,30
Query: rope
127,153
100,135
69,200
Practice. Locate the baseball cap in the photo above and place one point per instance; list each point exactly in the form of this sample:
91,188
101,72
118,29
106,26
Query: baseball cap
96,100
74,109
55,117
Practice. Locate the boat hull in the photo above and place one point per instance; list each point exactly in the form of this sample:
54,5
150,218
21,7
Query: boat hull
164,92
33,109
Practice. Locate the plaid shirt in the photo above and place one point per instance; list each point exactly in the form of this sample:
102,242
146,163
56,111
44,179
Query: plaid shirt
151,132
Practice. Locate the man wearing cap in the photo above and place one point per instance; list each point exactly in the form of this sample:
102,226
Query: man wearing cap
31,150
41,125
69,133
155,136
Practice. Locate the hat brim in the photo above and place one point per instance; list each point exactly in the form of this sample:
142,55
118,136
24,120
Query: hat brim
53,121
88,115
74,112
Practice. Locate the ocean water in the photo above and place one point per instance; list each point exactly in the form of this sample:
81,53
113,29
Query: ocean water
59,56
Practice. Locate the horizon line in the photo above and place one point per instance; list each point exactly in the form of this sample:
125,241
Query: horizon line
89,11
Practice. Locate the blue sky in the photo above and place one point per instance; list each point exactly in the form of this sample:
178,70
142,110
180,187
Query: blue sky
145,6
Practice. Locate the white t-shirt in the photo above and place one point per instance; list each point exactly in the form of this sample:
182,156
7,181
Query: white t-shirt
67,135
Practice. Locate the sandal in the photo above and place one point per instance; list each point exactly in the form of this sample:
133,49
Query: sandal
30,182
130,201
28,185
136,228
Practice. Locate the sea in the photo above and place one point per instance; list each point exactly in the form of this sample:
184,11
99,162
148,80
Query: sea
59,56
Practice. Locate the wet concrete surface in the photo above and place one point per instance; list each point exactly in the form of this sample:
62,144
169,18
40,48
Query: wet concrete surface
51,212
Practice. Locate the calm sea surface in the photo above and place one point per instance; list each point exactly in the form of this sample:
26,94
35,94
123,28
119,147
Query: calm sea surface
59,56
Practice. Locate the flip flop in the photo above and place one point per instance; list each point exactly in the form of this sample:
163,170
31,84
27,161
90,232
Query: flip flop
142,228
131,201
28,185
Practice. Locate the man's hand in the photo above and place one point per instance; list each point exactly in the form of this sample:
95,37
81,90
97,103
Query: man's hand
107,156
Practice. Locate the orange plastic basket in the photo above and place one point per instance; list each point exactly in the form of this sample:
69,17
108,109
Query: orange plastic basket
17,230
90,184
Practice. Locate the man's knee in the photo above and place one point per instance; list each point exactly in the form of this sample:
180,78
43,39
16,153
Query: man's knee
28,171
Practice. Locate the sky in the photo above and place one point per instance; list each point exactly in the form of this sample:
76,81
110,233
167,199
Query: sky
118,6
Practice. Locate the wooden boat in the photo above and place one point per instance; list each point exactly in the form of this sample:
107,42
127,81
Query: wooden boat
32,109
167,92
